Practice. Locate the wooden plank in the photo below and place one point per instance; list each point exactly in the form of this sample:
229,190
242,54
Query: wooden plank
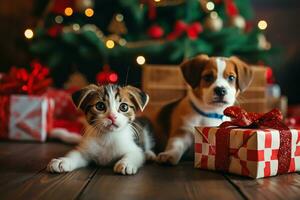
53,186
160,182
24,162
12,148
22,178
280,187
30,156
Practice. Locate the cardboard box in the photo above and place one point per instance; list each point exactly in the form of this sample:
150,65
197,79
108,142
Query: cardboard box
165,83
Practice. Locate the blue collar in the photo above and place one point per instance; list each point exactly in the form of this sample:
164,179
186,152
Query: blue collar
209,115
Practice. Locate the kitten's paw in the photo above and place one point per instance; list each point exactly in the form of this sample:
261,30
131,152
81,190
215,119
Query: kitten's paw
60,165
150,156
125,168
170,157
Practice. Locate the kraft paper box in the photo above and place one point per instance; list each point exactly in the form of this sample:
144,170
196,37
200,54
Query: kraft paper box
165,83
26,117
252,152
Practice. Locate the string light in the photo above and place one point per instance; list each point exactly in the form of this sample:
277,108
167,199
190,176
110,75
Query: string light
214,15
262,25
210,6
28,33
76,27
122,42
59,19
89,12
140,60
110,44
119,17
68,11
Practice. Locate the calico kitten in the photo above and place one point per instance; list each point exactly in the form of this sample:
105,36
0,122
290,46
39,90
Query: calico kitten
114,135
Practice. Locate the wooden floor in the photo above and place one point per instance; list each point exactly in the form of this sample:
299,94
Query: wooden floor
23,176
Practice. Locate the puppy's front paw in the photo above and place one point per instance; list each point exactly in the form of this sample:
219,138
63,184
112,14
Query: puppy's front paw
60,165
170,157
125,168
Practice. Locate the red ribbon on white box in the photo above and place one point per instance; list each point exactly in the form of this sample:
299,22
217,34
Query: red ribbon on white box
243,119
30,117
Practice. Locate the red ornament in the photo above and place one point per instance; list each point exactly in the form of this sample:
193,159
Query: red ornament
270,76
102,77
180,25
231,8
155,31
107,76
113,77
55,30
192,30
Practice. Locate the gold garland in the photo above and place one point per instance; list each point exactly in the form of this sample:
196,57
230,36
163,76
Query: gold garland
144,43
115,38
164,3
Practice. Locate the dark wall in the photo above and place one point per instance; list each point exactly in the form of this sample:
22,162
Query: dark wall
283,30
15,17
283,23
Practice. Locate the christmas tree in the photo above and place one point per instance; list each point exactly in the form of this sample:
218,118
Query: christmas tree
88,36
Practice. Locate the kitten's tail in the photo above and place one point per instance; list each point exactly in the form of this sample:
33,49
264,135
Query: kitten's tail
65,135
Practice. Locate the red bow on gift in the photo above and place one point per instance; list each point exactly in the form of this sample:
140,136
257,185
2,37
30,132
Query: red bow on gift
192,30
242,119
20,81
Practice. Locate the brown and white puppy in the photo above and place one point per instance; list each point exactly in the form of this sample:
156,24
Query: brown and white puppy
215,82
114,135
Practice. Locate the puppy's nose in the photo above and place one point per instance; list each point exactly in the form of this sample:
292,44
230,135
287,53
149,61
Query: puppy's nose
220,91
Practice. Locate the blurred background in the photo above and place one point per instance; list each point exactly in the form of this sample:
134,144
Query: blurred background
109,41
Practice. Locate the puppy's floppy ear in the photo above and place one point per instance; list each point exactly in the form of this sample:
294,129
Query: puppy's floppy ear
244,72
139,97
192,69
81,97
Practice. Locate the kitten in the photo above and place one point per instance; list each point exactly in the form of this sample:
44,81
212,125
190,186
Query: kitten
114,135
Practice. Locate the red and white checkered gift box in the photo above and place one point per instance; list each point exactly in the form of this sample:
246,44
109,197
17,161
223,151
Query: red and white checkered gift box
28,118
252,152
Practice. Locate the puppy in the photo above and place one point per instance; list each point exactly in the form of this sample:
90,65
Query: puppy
214,82
114,135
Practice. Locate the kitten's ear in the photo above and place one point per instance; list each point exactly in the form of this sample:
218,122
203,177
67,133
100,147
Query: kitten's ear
82,96
139,97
